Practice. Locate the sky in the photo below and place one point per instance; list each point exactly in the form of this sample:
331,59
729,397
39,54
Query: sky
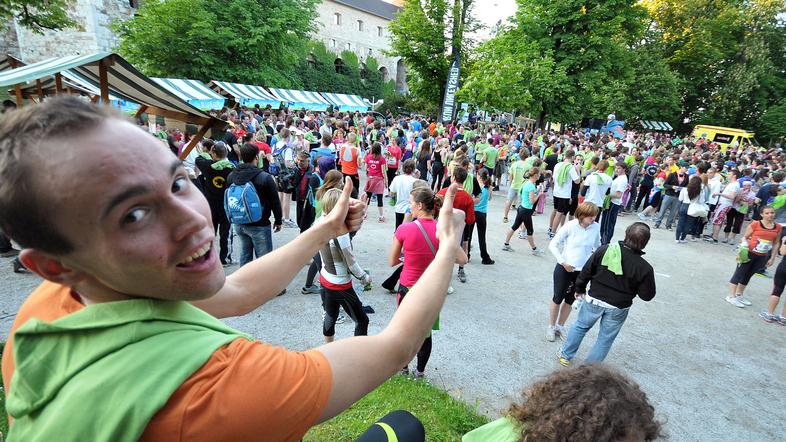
489,12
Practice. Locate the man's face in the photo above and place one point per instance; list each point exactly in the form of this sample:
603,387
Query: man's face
139,226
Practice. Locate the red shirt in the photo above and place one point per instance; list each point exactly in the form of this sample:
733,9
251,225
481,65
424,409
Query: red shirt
394,156
263,147
463,202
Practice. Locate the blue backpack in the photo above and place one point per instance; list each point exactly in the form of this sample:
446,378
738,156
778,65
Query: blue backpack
242,204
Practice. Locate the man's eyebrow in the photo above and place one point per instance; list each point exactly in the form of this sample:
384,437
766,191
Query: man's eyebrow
123,196
135,191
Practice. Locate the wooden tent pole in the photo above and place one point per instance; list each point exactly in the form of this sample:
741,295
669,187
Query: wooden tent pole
19,99
140,111
39,90
199,135
58,84
103,82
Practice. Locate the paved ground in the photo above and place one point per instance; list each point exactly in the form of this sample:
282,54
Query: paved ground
713,371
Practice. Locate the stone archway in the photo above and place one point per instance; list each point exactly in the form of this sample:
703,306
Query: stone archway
385,75
401,76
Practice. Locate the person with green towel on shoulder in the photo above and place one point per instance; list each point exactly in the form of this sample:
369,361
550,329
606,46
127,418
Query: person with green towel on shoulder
589,403
618,273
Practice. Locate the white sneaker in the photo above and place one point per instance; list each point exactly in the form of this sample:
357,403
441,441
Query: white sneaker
550,333
735,301
522,235
744,300
562,332
450,290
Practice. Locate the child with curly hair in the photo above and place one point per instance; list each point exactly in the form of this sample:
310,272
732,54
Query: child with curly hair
589,403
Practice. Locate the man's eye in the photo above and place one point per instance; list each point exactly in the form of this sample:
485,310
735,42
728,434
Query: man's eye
134,216
180,184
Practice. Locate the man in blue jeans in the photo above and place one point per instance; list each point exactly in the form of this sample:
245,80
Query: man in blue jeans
256,239
618,273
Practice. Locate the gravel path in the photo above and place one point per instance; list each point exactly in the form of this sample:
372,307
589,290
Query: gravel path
713,371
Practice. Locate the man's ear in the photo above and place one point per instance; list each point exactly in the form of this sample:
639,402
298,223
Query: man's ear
49,267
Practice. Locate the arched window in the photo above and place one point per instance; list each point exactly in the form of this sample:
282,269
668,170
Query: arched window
384,71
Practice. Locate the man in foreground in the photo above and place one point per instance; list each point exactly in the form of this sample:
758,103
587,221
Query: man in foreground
618,273
121,255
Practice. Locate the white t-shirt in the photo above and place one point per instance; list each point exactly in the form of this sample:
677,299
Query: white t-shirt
730,191
620,184
597,191
402,187
563,191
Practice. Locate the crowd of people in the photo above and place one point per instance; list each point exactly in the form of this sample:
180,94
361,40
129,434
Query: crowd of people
151,236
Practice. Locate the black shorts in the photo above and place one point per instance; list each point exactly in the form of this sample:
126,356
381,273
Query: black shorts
564,285
562,205
467,235
574,204
744,272
779,281
524,216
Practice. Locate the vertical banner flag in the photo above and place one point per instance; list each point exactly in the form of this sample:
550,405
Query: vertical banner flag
449,103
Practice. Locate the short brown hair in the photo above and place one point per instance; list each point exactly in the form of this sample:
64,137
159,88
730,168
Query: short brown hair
591,402
24,135
586,209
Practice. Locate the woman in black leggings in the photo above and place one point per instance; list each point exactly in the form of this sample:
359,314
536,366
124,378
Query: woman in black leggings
779,282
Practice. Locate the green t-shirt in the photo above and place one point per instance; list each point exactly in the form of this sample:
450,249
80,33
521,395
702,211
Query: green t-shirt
630,159
547,152
517,171
501,430
587,163
527,189
479,149
491,157
610,169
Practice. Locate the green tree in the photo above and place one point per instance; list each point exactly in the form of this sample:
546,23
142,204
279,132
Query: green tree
427,34
372,83
773,124
248,41
560,59
37,15
349,76
728,54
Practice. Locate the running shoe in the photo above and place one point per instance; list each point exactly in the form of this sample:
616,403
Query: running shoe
451,290
9,253
522,235
642,216
551,235
735,301
781,320
668,228
766,317
289,223
562,359
537,252
550,333
562,332
419,375
744,300
725,240
341,318
549,232
507,248
404,371
487,262
310,290
764,274
461,275
368,309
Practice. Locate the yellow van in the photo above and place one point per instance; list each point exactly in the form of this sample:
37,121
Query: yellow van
724,136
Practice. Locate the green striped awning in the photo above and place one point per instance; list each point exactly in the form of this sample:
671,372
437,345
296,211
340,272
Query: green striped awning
656,125
124,83
347,103
193,92
301,99
246,94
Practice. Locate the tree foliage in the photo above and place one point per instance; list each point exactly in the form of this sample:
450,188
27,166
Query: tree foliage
425,33
730,56
37,15
560,59
249,41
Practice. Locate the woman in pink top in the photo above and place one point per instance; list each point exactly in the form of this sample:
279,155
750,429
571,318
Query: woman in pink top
377,182
393,158
418,240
